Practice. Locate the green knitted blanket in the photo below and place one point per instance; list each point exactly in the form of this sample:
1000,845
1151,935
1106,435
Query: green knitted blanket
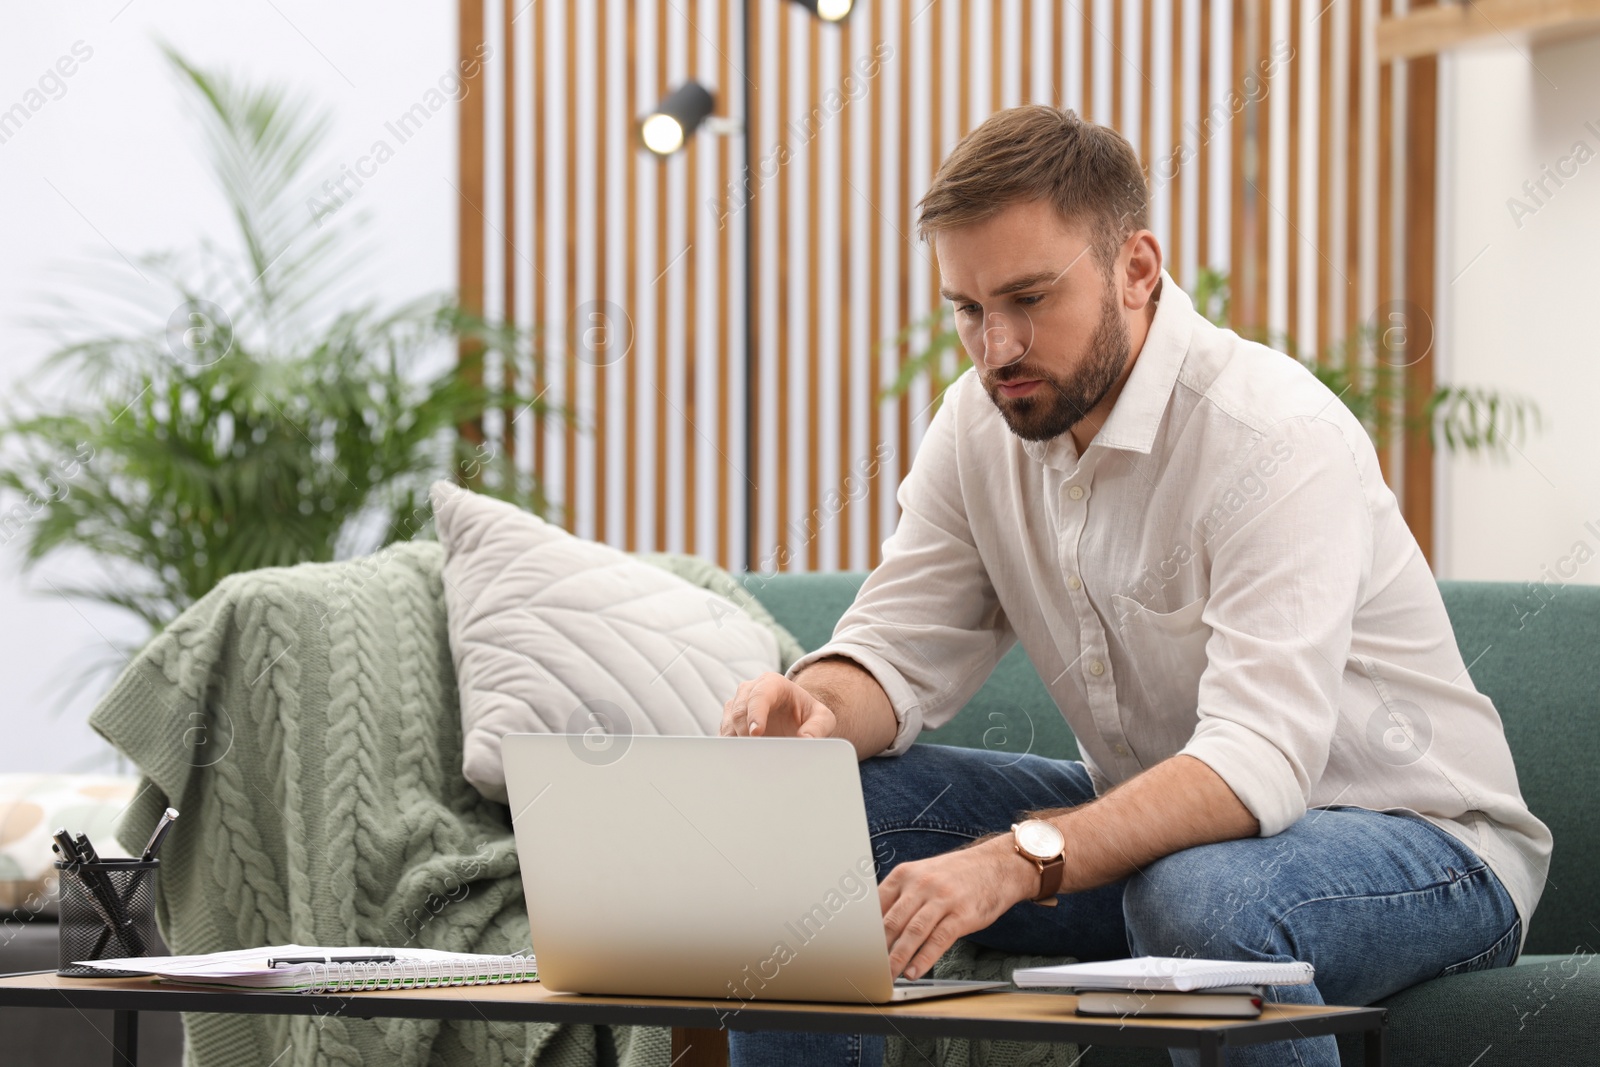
305,722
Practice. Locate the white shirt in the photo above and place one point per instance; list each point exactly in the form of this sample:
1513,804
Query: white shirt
1222,573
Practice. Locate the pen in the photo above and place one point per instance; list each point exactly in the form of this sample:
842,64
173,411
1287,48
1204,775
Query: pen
284,960
100,885
162,827
69,852
67,847
86,849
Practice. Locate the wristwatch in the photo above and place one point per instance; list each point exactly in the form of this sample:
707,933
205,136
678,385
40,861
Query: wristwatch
1043,843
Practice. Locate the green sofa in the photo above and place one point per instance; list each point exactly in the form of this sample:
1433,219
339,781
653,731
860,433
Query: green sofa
1536,653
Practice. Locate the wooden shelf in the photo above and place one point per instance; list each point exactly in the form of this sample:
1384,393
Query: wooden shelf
1450,25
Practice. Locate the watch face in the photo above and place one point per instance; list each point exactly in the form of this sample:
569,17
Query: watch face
1040,839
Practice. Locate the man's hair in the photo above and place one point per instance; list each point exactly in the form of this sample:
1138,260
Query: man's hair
1089,172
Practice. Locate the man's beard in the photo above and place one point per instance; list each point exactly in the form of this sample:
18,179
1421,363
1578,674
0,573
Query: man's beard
1059,404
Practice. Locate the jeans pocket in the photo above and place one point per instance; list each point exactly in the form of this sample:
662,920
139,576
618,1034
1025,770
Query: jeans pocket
1500,954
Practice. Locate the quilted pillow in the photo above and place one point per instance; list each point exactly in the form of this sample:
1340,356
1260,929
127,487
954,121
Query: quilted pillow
551,633
32,807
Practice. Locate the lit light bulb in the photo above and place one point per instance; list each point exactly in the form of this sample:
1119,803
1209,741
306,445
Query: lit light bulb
833,10
662,134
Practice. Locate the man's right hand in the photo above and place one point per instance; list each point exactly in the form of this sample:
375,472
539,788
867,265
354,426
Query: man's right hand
773,706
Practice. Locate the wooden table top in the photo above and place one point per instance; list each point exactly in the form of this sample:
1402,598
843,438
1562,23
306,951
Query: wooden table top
1026,1016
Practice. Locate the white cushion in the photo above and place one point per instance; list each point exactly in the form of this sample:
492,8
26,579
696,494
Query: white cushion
554,634
32,806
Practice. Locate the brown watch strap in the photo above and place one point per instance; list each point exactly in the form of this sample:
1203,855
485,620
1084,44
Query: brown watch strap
1050,875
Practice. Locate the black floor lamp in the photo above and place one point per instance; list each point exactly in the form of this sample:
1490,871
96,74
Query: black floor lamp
664,131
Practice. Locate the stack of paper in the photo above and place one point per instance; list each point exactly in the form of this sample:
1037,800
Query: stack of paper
1164,985
1164,973
313,969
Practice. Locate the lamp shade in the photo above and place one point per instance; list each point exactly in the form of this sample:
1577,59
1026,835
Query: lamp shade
665,129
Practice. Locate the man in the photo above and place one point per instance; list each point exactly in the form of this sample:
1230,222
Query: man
1283,756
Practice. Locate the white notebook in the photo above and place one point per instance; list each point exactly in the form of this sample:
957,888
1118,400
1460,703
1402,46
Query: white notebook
1164,972
328,970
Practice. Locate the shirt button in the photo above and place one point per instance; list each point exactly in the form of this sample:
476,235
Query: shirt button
1076,492
1121,750
1074,582
1096,668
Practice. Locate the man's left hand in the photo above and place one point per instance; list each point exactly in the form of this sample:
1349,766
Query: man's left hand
929,903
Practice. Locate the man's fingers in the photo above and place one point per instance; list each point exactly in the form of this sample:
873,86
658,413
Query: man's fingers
757,709
918,928
733,712
819,722
937,943
773,706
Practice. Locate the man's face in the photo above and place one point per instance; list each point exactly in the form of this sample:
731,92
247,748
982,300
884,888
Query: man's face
1038,314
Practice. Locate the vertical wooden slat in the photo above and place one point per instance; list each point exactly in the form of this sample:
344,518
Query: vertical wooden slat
1324,259
876,110
997,34
570,287
1203,131
1025,82
1354,130
846,41
1058,42
541,223
813,290
602,357
1173,175
936,127
630,368
1385,263
508,291
719,543
1237,268
781,265
659,269
691,307
470,164
750,26
963,70
903,213
1086,44
1261,203
1118,67
1422,88
1293,206
1145,85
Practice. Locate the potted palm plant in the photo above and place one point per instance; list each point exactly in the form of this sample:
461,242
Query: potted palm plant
239,421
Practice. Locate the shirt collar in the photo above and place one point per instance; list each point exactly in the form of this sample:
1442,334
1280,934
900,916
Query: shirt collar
1142,405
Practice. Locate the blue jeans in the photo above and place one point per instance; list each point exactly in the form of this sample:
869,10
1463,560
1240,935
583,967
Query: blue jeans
1376,902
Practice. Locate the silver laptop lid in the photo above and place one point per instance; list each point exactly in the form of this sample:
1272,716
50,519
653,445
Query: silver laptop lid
697,866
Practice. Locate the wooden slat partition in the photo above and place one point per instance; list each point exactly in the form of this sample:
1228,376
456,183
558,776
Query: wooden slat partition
785,456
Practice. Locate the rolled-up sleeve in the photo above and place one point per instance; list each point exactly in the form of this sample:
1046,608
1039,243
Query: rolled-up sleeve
1287,575
927,623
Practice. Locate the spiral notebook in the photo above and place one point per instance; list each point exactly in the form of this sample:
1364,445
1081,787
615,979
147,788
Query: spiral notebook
1164,973
313,969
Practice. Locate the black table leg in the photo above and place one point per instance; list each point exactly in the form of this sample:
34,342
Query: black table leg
125,1039
1373,1054
1210,1051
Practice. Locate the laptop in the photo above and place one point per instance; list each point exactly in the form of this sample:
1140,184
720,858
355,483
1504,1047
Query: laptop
723,867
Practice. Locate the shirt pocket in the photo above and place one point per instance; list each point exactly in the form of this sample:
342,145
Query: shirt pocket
1166,649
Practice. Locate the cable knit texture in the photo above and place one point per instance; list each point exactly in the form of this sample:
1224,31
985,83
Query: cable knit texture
305,721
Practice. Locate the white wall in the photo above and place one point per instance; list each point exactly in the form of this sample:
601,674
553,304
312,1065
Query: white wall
116,142
1521,314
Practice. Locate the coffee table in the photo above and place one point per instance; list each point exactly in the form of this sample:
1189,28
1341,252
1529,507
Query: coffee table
699,1025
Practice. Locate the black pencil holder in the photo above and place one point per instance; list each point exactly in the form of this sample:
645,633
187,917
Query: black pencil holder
108,911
